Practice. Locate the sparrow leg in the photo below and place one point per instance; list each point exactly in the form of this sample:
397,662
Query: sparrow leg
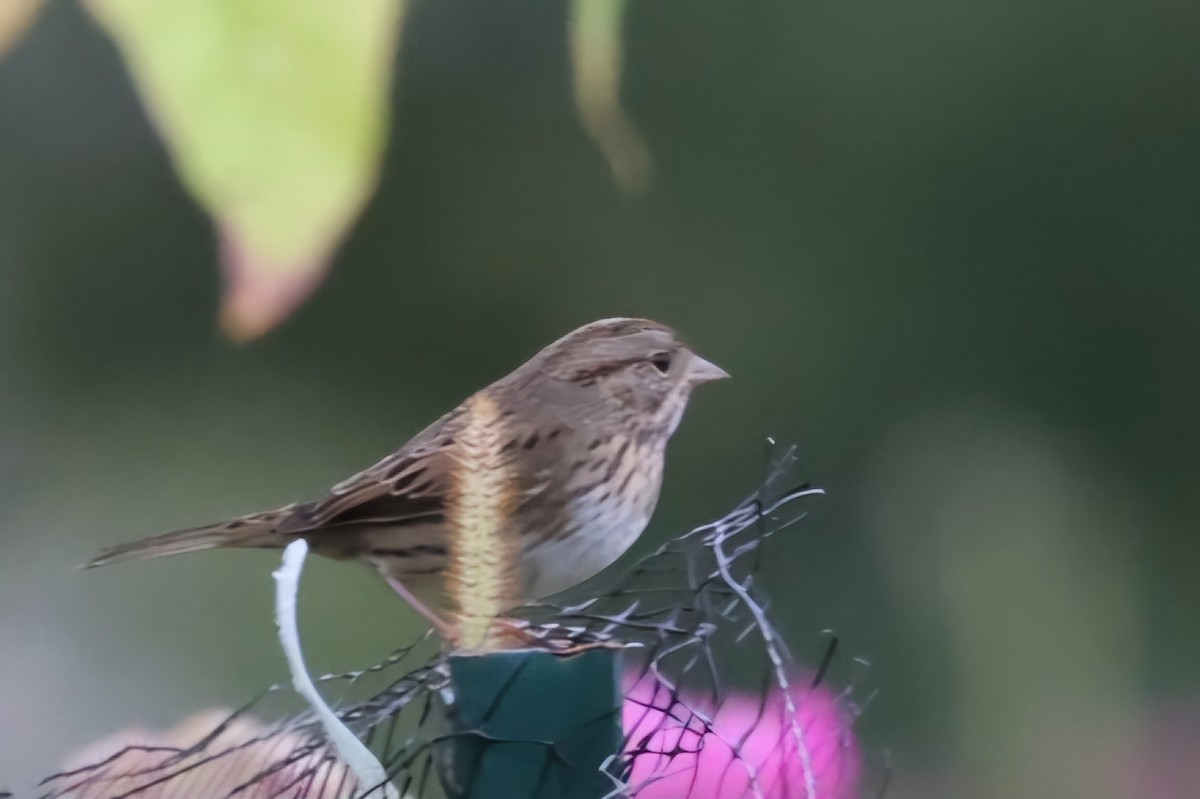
438,623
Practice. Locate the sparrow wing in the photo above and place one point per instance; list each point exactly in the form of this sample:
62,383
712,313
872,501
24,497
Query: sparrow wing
407,486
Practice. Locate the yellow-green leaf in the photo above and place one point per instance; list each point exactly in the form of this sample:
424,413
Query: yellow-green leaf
596,57
275,114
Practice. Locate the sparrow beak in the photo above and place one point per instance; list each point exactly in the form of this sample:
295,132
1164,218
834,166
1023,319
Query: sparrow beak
702,371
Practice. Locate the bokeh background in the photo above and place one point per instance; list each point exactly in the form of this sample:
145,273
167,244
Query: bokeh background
948,249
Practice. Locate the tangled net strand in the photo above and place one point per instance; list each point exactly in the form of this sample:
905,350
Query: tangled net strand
677,613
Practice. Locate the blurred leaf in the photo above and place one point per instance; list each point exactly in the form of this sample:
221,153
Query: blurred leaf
274,112
596,62
15,18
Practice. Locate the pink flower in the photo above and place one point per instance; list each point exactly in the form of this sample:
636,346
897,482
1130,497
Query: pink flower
750,747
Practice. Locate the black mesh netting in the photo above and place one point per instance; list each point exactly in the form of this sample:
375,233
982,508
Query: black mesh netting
714,704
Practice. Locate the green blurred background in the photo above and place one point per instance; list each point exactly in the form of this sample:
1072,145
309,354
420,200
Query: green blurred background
947,248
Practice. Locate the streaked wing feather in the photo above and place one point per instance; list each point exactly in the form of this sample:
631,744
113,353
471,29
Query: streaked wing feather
409,485
405,486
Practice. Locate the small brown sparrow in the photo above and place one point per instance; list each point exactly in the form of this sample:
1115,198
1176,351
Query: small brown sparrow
586,422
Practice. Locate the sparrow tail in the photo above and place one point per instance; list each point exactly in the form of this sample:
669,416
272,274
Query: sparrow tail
257,531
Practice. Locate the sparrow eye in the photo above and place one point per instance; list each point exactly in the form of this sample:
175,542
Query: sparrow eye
661,361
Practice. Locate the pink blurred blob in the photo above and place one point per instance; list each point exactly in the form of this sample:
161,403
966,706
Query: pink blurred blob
1164,761
750,747
255,763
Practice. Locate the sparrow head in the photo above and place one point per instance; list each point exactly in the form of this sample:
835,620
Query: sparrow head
632,365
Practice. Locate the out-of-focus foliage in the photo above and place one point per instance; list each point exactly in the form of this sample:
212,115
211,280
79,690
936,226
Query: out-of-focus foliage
15,18
274,113
596,67
947,248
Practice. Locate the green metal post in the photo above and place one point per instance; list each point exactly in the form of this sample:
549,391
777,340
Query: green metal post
530,724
